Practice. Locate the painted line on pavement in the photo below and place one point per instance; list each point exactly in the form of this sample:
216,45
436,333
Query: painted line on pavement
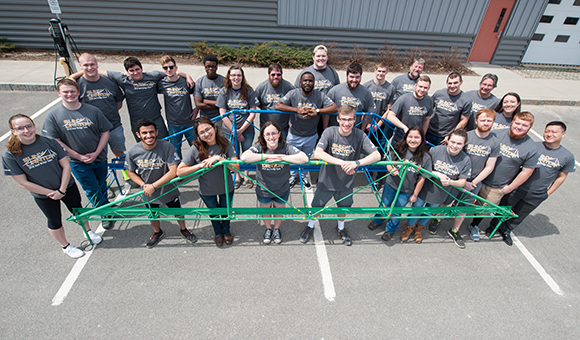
38,113
537,266
328,283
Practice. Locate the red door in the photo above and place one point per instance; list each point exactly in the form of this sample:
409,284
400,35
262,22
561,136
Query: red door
492,26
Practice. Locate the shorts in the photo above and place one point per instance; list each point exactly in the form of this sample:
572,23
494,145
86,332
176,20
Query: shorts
117,139
174,203
493,195
268,200
321,197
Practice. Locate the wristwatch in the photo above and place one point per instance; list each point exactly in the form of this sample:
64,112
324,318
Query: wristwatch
317,111
357,163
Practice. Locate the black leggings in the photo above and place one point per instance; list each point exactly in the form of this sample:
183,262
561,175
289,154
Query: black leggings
51,208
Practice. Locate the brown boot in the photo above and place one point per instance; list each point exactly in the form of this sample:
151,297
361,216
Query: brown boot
406,233
418,232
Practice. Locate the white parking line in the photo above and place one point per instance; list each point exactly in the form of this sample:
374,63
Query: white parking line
327,282
36,114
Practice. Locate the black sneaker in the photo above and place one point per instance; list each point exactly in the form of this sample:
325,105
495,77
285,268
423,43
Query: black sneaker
345,237
277,236
306,183
155,239
188,236
107,224
292,182
373,226
386,236
507,238
306,234
433,225
488,231
268,236
456,236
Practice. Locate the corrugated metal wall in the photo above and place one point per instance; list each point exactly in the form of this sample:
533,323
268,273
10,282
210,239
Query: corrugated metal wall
522,24
168,26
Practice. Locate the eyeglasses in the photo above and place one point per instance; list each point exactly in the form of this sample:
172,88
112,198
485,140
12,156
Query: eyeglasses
170,67
22,128
206,131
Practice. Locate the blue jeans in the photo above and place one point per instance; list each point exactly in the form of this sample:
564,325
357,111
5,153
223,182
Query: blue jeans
387,200
179,134
93,180
435,140
220,227
305,144
420,203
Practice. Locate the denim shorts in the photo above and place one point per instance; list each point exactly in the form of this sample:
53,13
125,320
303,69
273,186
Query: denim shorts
268,200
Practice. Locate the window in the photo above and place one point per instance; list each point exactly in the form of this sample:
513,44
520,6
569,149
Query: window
571,21
538,37
576,3
555,2
546,19
562,38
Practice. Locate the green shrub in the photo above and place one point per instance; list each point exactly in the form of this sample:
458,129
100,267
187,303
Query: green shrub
264,54
6,46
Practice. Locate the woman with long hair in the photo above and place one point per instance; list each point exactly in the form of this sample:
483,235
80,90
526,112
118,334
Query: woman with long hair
274,188
412,148
509,105
209,148
238,95
39,165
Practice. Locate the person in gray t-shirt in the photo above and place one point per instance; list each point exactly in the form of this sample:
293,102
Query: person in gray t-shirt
325,77
482,98
269,93
207,89
451,112
215,190
273,189
351,93
411,109
178,109
554,164
509,106
152,164
342,148
405,83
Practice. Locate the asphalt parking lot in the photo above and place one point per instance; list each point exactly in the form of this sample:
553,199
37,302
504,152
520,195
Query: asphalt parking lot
321,290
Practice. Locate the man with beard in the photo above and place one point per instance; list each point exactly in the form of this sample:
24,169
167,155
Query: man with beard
412,109
307,103
405,83
519,155
452,110
269,93
554,163
151,164
207,89
483,149
482,98
350,93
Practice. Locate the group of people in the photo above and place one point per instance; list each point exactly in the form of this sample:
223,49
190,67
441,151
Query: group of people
480,143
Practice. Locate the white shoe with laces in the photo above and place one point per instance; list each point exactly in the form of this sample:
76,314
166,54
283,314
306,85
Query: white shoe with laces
95,237
73,251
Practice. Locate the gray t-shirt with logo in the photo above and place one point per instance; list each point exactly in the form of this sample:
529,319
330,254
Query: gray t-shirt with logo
39,162
268,96
177,98
501,122
478,103
79,129
412,175
382,95
212,182
105,95
360,98
403,84
153,164
273,176
448,111
454,167
232,101
514,154
412,111
209,89
300,125
324,79
479,150
349,148
141,95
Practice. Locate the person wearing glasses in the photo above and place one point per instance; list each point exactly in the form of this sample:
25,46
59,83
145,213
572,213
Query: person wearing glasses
269,93
273,189
207,89
178,107
39,165
209,148
342,148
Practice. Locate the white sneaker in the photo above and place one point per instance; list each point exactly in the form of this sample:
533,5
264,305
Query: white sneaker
95,237
73,251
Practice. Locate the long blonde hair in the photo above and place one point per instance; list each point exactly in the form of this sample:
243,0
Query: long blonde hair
14,144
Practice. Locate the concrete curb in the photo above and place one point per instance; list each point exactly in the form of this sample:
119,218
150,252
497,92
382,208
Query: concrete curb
26,87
